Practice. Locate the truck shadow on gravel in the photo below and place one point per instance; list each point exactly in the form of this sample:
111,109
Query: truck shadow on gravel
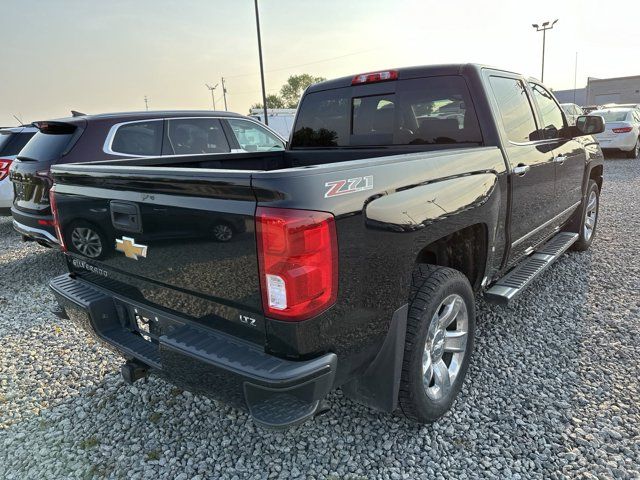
515,406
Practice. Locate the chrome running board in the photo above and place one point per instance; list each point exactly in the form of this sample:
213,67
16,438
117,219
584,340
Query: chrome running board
518,278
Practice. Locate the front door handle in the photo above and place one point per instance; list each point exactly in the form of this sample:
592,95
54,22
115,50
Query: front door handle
521,169
560,159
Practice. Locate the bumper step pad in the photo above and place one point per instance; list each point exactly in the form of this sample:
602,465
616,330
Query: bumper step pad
517,279
105,323
278,392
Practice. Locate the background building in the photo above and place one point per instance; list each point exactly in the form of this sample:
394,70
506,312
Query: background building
603,90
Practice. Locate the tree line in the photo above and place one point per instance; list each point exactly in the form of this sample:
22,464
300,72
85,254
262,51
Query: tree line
290,92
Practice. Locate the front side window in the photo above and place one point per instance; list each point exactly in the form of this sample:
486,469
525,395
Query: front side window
552,119
253,138
515,109
421,111
138,138
195,136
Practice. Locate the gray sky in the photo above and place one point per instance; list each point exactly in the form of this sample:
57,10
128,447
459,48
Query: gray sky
100,56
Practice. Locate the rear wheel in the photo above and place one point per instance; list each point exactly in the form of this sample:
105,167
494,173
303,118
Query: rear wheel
590,210
439,342
222,232
87,240
635,153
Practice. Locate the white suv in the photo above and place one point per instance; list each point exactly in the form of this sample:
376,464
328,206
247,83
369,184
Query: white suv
11,142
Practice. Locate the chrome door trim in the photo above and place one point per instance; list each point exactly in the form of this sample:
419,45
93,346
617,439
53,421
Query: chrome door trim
544,225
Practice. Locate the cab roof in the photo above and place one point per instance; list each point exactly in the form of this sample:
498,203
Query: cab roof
405,73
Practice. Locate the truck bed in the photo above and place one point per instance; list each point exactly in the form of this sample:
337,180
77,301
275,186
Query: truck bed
269,161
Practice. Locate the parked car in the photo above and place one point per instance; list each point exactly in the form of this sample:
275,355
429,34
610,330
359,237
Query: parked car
621,105
280,119
587,109
572,112
12,139
622,130
365,242
121,135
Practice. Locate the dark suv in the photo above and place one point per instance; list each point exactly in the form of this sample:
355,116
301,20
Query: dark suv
115,136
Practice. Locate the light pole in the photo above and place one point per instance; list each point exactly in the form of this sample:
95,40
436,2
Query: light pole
264,92
545,26
224,94
211,89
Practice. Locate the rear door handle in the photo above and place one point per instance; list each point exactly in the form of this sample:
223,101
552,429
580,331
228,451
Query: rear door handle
560,159
521,169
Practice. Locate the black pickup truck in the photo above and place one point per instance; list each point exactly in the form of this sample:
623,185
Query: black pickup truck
401,194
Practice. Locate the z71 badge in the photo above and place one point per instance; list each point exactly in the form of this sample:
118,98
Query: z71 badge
352,185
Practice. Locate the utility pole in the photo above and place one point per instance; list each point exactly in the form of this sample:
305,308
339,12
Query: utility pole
545,26
224,94
211,89
264,92
146,103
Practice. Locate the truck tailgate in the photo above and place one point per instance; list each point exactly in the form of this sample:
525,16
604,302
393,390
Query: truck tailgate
179,239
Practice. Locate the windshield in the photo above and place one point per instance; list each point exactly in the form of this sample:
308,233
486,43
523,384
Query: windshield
5,138
612,115
421,111
12,143
47,146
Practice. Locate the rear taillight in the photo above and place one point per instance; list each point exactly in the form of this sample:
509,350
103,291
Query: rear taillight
375,77
56,220
298,261
5,163
622,130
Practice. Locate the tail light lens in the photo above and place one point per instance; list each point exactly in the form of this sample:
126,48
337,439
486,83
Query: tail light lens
622,130
56,220
298,262
5,163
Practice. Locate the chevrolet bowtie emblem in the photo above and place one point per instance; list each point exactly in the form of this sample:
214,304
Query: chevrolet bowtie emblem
130,248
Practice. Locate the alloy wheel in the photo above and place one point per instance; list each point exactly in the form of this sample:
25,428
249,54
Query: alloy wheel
86,241
590,216
222,232
445,347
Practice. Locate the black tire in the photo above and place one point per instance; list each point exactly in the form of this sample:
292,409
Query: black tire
86,226
584,240
431,285
635,153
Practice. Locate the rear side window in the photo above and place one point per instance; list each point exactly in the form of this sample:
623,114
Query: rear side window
552,119
11,143
423,111
612,115
51,142
138,138
515,110
254,138
193,136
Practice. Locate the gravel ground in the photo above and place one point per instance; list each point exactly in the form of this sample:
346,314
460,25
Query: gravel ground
552,391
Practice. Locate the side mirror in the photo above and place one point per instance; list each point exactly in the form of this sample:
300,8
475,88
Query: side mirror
589,125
